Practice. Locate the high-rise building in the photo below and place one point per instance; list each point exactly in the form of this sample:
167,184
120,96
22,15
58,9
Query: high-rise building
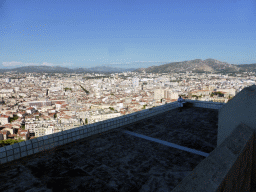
135,81
158,94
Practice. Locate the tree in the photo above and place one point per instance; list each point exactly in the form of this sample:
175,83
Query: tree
87,92
55,115
86,121
9,142
15,117
66,88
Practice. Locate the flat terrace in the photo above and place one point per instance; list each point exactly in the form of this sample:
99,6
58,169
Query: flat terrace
119,161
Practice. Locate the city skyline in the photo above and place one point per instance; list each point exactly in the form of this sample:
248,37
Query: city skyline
124,34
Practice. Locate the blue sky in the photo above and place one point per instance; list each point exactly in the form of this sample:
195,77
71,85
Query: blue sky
124,33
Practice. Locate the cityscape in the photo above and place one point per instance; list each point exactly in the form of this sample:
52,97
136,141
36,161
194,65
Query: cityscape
34,105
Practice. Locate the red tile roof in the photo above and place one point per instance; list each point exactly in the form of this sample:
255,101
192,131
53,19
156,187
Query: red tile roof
3,116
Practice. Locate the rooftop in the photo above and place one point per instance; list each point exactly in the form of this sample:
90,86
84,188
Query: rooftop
119,161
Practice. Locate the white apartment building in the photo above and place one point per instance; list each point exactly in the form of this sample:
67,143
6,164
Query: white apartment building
6,91
135,81
174,95
4,119
97,118
39,132
49,130
158,94
164,94
32,126
231,91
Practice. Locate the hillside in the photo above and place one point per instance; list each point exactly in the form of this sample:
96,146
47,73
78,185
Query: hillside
198,65
58,69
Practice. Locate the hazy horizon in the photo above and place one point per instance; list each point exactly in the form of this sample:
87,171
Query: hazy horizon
105,65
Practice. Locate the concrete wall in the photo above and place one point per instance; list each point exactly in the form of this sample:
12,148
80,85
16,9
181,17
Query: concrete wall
240,109
206,104
227,168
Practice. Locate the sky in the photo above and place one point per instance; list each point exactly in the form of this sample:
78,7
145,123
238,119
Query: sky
125,33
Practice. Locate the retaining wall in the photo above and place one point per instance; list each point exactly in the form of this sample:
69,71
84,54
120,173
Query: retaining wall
227,168
30,147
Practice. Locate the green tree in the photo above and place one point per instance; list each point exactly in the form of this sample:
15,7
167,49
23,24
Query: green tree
87,92
15,117
9,142
66,88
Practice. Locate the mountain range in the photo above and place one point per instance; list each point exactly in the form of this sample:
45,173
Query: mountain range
196,66
58,69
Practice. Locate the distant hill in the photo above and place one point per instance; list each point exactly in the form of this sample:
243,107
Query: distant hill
247,67
58,69
3,70
105,69
40,69
197,65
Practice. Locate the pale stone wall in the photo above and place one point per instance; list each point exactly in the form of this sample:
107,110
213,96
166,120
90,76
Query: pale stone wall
240,109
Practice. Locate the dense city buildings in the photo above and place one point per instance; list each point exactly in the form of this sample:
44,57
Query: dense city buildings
34,105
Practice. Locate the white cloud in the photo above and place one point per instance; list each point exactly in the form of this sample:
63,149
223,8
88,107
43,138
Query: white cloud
47,64
12,64
68,64
21,64
31,64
